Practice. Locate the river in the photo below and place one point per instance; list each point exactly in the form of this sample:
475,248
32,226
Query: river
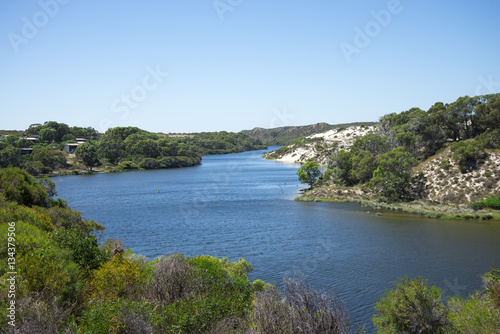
240,205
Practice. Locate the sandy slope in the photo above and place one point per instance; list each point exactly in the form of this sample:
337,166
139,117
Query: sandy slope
330,141
444,183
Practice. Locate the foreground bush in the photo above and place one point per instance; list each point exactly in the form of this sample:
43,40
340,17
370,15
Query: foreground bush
412,307
492,202
299,310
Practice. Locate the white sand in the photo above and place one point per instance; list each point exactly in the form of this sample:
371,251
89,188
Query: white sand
344,138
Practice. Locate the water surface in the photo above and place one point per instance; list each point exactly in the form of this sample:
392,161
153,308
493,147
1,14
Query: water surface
240,205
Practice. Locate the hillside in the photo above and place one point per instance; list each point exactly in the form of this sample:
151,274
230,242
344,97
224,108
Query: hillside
287,134
444,183
320,146
443,161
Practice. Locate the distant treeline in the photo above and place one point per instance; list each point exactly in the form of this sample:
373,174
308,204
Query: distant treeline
287,134
120,148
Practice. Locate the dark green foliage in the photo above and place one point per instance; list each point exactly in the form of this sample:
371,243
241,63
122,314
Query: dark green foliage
127,165
10,157
492,202
372,142
149,163
19,186
468,154
363,166
412,307
309,172
490,139
87,153
393,174
83,246
49,158
48,135
227,142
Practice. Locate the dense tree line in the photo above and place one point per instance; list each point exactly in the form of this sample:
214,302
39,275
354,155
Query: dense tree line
120,148
384,160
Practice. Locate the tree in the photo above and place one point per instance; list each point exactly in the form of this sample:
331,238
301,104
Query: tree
49,158
363,166
413,307
468,154
87,153
48,135
10,156
341,166
393,174
309,172
19,186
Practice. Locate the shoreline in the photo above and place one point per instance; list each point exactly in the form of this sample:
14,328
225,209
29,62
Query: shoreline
426,209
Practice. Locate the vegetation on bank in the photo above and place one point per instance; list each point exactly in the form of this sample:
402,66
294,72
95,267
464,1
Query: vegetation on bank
386,162
67,283
39,149
418,207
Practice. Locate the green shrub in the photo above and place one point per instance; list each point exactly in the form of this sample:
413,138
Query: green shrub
120,317
19,186
468,154
445,164
127,165
491,281
117,278
41,265
149,163
492,202
412,307
84,248
473,315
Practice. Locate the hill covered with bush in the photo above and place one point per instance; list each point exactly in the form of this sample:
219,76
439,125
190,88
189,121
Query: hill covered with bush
448,154
39,149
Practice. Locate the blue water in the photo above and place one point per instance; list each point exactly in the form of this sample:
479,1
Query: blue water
240,205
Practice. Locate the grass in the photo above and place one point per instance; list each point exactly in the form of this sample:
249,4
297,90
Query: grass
429,210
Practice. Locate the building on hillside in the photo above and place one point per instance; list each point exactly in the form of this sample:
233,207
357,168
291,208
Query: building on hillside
70,148
81,140
26,150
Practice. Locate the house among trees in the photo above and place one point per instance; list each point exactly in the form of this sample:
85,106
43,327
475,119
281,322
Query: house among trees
81,140
26,150
70,148
33,139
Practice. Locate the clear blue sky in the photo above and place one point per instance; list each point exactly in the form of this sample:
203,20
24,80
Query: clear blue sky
238,64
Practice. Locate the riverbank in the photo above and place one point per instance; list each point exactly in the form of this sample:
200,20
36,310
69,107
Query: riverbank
422,208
